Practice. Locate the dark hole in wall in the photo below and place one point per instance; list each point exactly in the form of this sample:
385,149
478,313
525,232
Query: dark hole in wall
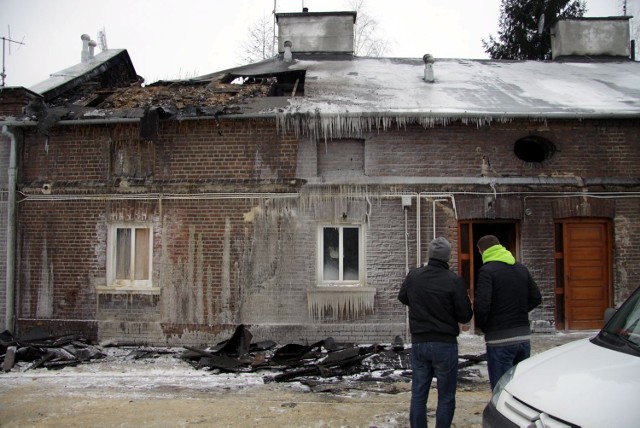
534,149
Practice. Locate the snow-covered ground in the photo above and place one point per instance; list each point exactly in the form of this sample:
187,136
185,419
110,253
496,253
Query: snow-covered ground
121,367
131,387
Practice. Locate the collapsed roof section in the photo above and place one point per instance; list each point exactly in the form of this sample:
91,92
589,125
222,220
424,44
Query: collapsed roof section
104,89
109,69
388,87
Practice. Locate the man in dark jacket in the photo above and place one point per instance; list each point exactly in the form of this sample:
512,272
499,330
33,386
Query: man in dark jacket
505,294
438,301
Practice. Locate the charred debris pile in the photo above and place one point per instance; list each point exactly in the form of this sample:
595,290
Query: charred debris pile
314,365
295,362
43,350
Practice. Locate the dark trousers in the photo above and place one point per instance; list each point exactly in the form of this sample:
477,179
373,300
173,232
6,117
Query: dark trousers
501,358
429,359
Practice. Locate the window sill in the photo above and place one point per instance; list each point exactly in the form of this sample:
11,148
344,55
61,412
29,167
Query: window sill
338,288
105,289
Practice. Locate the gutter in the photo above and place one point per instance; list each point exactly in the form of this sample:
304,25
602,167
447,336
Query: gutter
426,118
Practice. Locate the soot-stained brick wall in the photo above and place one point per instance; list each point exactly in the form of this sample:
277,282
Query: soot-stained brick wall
235,209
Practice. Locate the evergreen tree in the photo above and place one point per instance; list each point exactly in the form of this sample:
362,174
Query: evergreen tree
525,26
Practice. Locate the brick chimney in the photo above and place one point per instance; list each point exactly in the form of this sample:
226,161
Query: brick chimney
593,37
316,32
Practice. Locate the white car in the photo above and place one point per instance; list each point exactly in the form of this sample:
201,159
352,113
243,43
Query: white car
587,383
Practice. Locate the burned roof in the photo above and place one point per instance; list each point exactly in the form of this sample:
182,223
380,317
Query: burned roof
110,68
342,94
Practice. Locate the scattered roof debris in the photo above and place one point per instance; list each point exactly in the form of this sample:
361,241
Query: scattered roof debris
323,366
313,365
46,351
184,94
172,99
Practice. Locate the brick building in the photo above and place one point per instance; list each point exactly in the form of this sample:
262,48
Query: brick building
292,195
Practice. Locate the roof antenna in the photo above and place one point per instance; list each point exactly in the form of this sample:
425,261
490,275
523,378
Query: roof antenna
541,24
102,39
7,41
275,20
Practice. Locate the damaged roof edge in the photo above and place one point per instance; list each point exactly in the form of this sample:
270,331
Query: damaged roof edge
264,67
71,77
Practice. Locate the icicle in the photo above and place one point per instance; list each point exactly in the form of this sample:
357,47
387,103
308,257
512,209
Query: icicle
345,125
340,303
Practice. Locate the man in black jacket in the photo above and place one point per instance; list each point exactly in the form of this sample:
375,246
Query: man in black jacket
504,295
438,301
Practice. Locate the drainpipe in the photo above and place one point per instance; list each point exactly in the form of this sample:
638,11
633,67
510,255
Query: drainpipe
418,248
406,204
11,232
440,197
433,214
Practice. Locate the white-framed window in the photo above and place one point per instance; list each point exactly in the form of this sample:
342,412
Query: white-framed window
130,255
341,254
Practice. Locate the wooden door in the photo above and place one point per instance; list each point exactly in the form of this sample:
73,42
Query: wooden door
587,273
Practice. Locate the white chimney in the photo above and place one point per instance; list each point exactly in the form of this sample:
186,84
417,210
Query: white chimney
92,46
593,37
428,68
288,56
84,57
317,32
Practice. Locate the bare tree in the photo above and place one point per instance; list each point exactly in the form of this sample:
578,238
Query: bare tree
259,44
366,41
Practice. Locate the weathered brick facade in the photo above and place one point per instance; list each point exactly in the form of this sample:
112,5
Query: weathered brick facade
14,99
235,206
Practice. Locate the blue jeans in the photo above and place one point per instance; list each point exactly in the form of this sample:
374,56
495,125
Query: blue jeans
501,358
429,359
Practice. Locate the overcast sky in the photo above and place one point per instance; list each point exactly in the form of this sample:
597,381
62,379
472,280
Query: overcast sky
170,39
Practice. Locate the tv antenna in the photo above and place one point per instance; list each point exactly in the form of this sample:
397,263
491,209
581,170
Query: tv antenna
6,43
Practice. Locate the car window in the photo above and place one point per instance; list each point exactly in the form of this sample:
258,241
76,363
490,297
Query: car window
622,332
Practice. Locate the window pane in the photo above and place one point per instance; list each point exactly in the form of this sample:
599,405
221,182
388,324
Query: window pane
331,253
123,253
142,254
559,238
465,271
351,245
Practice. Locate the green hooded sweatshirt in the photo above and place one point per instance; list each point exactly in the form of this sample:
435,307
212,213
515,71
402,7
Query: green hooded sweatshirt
498,253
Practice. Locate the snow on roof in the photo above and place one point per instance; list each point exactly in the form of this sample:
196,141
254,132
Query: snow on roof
343,95
349,95
469,87
62,80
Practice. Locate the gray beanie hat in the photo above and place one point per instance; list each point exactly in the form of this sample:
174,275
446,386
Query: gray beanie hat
440,249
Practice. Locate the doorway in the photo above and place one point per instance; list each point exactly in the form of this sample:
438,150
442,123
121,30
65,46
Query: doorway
583,273
470,260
